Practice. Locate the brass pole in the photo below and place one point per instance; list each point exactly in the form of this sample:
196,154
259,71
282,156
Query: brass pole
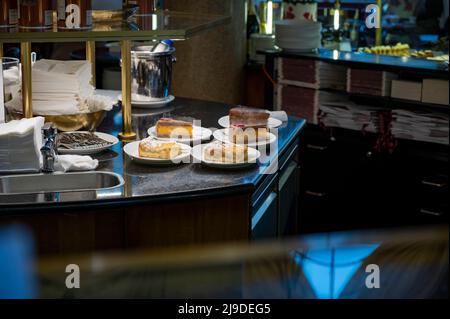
2,54
379,31
127,132
90,56
27,89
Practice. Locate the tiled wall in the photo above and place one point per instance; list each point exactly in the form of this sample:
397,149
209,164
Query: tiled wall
210,65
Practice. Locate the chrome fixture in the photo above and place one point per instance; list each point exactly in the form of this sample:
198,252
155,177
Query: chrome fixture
49,150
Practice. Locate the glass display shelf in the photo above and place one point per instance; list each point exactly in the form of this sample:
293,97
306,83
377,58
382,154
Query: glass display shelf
158,26
110,26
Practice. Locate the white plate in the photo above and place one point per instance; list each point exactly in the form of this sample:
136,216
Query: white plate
109,138
224,137
199,134
151,104
132,150
253,156
273,122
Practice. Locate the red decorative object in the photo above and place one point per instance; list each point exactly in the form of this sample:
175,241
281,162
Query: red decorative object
290,13
386,141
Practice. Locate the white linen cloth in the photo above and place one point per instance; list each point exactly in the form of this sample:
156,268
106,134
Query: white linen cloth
20,145
62,88
75,163
58,106
279,115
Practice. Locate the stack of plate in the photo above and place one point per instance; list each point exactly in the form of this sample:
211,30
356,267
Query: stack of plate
298,35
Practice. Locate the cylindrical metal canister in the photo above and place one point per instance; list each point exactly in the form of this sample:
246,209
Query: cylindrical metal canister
74,14
9,13
35,14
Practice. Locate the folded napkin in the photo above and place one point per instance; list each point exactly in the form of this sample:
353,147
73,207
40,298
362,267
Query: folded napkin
20,145
64,107
75,163
279,115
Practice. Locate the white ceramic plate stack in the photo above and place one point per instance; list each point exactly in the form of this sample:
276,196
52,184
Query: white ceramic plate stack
298,35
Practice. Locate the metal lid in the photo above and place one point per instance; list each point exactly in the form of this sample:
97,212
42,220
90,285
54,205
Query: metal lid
149,50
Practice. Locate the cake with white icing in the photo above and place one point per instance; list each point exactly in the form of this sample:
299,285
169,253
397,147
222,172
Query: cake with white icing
300,9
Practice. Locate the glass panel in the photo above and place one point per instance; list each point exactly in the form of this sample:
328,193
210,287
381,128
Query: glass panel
162,25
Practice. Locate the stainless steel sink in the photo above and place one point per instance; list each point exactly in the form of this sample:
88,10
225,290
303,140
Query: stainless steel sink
59,183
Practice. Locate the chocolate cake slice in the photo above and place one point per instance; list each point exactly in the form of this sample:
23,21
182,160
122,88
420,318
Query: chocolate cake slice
249,117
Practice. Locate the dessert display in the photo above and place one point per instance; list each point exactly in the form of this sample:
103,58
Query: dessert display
248,125
170,128
150,148
79,140
400,49
440,58
422,54
225,153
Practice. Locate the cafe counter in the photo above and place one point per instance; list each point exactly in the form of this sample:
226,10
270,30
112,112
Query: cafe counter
163,206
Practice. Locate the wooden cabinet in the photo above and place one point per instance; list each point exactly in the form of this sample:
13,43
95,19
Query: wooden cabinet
73,232
212,220
276,202
288,190
345,185
149,226
265,219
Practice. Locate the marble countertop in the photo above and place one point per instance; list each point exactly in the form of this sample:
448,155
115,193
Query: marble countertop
149,183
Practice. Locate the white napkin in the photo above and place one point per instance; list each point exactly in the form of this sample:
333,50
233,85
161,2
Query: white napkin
57,106
75,163
20,144
279,115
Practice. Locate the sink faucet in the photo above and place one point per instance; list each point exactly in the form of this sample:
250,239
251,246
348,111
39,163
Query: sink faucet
49,150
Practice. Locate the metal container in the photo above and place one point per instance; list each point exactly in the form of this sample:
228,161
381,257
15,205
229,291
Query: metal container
151,73
35,14
74,14
138,7
9,14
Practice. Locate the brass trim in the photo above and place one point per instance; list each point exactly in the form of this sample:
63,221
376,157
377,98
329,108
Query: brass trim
90,56
69,122
2,53
193,24
127,132
27,89
379,31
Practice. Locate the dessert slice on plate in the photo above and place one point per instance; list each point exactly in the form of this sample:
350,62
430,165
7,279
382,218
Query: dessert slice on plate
225,153
170,128
249,117
150,148
157,153
248,125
